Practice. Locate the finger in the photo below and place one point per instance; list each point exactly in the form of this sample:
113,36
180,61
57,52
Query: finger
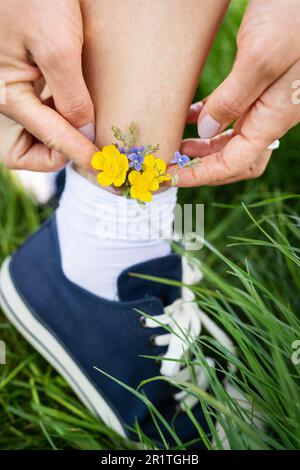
253,172
204,147
194,111
19,151
268,119
251,75
37,157
50,129
199,148
62,69
236,157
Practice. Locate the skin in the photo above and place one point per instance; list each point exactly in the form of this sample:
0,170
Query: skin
42,41
267,62
259,94
142,61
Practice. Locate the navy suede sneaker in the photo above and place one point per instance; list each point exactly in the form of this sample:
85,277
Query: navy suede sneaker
78,332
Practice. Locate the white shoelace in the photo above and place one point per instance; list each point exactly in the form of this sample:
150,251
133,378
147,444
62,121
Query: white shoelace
186,319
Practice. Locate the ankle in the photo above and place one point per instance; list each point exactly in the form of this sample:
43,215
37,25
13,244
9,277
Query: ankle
101,234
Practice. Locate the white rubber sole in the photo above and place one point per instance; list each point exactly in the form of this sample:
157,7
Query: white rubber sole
49,347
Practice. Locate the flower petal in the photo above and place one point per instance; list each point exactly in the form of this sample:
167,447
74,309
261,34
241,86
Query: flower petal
133,176
145,196
133,192
149,161
164,178
97,161
111,151
149,175
104,179
154,185
120,180
160,165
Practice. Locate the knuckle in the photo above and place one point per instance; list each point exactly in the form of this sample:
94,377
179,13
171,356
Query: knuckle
261,57
194,176
56,161
229,106
228,170
79,106
56,51
53,141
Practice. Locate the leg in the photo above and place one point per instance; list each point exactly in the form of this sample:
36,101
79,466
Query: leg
142,62
147,73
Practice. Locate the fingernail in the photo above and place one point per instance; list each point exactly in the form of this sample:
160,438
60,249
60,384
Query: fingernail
88,131
275,145
228,132
197,106
208,127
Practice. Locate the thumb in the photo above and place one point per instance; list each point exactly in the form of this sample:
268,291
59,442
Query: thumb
243,86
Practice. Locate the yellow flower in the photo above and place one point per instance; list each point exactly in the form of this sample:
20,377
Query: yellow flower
142,184
158,167
113,166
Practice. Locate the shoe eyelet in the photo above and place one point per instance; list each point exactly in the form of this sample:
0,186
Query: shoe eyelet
152,340
142,321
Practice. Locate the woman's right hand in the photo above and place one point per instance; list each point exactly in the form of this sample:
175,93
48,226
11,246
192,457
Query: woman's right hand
261,94
42,42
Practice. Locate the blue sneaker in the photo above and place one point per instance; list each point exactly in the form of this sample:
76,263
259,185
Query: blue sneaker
77,332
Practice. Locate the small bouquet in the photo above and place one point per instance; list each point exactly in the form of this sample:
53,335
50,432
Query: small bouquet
134,169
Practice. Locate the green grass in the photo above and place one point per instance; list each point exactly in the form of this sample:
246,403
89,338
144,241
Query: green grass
251,287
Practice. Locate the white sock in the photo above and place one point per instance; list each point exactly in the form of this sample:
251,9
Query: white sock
101,234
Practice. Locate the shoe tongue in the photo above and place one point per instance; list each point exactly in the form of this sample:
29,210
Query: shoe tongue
132,288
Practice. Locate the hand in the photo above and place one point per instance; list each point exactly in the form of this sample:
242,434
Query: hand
42,42
258,93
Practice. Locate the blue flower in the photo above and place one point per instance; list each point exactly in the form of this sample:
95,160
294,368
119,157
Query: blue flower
138,150
136,157
181,160
136,161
